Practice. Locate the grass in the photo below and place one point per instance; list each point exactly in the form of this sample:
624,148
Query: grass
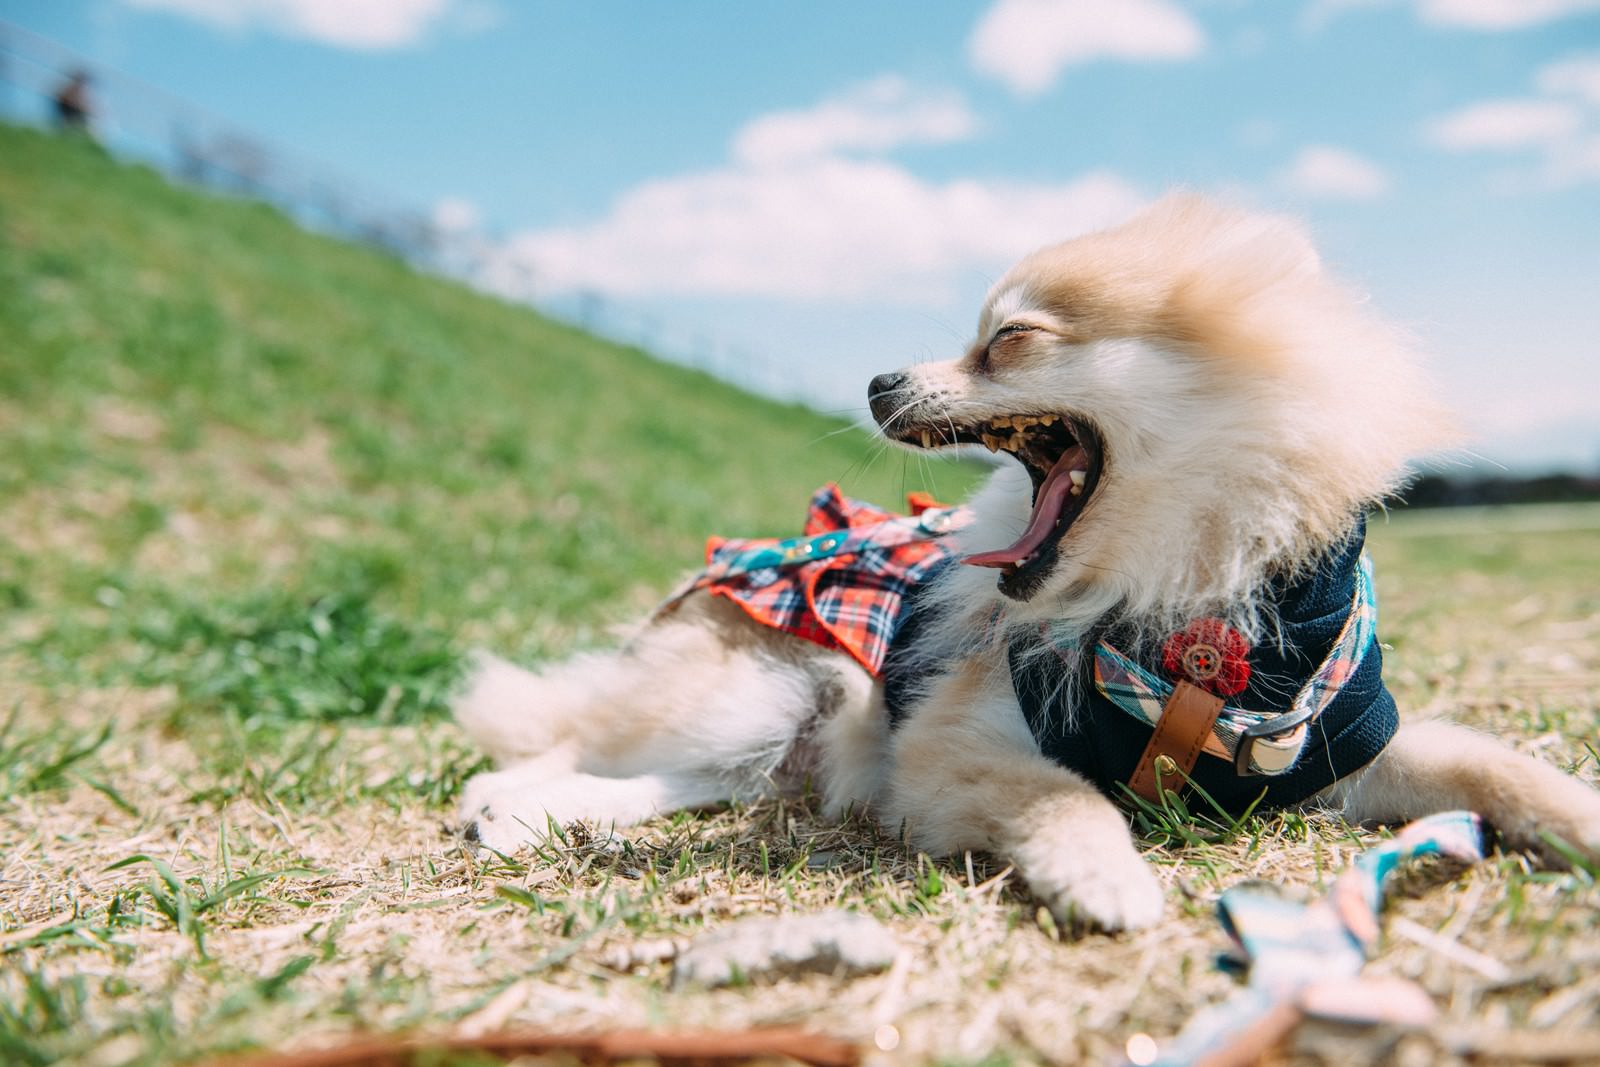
262,490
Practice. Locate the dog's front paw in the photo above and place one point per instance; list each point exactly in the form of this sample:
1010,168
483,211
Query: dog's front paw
1544,811
493,813
1120,893
1085,869
1559,839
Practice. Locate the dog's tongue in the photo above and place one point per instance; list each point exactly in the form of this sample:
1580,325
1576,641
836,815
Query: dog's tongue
1046,510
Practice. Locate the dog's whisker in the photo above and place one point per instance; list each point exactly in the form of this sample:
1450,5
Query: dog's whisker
902,411
854,427
877,448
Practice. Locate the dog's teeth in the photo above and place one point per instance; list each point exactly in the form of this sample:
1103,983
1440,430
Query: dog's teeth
1077,482
1022,422
1000,421
991,442
1047,420
1017,441
927,439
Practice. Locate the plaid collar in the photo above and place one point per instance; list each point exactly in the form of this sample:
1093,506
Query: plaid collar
844,582
730,559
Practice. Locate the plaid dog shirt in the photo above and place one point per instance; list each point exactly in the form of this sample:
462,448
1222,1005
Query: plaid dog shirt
852,598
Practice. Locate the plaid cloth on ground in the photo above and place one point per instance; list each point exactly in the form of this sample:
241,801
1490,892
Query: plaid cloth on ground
843,582
1305,960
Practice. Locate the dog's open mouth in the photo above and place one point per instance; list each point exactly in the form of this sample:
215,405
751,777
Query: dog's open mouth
1064,457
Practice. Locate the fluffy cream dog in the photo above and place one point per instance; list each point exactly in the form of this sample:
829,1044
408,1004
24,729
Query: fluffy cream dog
1200,418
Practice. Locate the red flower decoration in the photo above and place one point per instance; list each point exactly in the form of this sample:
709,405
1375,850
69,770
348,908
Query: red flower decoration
1210,654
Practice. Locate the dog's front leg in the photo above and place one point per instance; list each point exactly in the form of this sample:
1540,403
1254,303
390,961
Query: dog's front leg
967,774
1438,766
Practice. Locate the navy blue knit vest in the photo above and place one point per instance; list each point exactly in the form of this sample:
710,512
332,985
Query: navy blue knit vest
1103,743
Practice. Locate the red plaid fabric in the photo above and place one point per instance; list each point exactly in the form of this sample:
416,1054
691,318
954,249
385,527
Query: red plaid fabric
850,601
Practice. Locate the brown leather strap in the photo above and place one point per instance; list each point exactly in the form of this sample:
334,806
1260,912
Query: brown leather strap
692,1048
1181,732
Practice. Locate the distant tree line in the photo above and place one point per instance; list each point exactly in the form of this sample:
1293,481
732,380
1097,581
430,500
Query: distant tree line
1452,491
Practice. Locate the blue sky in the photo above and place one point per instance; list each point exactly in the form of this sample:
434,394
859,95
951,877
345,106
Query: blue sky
813,193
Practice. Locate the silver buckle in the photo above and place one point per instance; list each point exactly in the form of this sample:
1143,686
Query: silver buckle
1276,726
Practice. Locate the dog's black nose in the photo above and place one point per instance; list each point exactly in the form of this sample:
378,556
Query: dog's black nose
884,398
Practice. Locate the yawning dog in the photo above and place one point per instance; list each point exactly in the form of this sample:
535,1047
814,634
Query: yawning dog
1165,590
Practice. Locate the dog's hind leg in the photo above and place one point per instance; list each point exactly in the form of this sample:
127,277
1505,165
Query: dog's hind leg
504,809
514,713
1433,766
702,705
611,704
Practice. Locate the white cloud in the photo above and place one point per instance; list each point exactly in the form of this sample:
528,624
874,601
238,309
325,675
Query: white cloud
806,208
1483,15
455,215
1026,44
1330,173
1560,127
1574,161
877,116
819,228
1506,125
359,24
1577,76
1500,14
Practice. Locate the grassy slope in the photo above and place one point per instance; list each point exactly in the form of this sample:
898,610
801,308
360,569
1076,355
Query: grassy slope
259,489
171,357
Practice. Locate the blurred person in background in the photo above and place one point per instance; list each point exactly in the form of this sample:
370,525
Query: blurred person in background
73,104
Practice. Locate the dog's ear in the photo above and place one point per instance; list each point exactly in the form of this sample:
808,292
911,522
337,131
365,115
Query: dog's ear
1269,245
1229,271
1205,234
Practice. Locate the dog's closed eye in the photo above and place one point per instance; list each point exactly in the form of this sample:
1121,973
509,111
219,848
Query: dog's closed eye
1002,335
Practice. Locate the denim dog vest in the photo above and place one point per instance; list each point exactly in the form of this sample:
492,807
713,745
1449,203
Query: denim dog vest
1322,659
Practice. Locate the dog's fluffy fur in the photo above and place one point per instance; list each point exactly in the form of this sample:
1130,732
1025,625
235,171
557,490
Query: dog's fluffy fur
1247,410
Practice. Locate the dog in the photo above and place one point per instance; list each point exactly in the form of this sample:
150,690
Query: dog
1195,418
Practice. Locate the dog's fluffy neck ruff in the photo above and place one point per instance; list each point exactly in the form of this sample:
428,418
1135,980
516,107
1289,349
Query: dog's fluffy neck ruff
1143,606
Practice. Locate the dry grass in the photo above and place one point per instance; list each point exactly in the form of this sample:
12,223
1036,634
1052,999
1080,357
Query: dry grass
377,919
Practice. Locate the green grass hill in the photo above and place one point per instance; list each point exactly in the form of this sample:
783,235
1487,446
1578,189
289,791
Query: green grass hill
201,402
